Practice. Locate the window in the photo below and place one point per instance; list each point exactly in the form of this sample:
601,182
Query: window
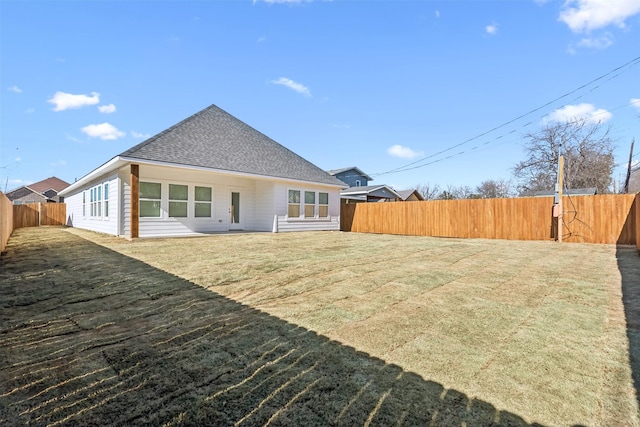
323,205
150,195
92,201
84,203
203,202
99,201
357,183
309,204
178,197
294,203
106,199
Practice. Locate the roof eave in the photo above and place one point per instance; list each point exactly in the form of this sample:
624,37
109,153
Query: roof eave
228,172
111,165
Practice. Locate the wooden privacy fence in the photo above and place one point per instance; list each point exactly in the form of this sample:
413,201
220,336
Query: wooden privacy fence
587,219
6,220
36,214
28,215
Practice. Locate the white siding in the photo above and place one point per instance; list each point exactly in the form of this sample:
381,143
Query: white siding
99,223
261,202
306,224
265,205
332,224
222,186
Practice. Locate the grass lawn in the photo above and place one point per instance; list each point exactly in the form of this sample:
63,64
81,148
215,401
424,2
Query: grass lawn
316,329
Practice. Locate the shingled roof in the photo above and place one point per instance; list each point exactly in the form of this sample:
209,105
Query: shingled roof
53,182
213,138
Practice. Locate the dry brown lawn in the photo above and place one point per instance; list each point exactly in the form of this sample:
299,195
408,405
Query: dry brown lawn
316,329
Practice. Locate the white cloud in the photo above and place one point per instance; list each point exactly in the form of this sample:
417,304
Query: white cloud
104,131
65,101
403,152
437,14
298,87
587,15
491,29
262,39
140,135
635,102
30,110
59,163
107,109
601,42
577,112
14,89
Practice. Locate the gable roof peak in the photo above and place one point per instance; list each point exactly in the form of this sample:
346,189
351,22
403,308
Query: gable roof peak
213,138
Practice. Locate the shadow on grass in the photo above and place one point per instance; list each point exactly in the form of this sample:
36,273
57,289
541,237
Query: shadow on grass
89,336
629,266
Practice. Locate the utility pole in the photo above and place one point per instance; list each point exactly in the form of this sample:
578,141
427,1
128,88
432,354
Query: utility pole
625,190
558,206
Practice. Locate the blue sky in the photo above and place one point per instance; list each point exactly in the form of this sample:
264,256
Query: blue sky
373,84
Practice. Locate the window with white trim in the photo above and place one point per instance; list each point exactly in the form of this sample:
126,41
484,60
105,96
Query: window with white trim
323,205
99,201
150,199
178,200
92,201
203,200
106,199
293,210
309,204
84,203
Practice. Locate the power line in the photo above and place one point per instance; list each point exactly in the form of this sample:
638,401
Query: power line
407,167
484,145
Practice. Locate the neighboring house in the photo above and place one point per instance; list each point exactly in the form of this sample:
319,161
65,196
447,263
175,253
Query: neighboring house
634,180
410,196
352,176
45,191
209,173
359,189
369,193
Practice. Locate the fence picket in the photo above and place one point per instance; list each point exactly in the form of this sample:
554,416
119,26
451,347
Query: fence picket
609,218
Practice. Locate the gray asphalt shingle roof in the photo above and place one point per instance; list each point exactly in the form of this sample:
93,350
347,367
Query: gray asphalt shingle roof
213,138
337,171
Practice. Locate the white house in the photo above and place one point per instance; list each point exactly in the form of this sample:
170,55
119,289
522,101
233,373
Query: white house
209,173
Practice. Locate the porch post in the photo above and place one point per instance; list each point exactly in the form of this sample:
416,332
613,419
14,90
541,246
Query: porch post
135,201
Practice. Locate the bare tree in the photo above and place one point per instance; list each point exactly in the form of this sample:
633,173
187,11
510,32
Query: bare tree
588,151
455,192
461,192
495,189
428,191
446,195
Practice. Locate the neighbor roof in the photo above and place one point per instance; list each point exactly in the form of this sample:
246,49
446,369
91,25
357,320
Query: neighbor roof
51,183
368,189
405,194
337,171
213,138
